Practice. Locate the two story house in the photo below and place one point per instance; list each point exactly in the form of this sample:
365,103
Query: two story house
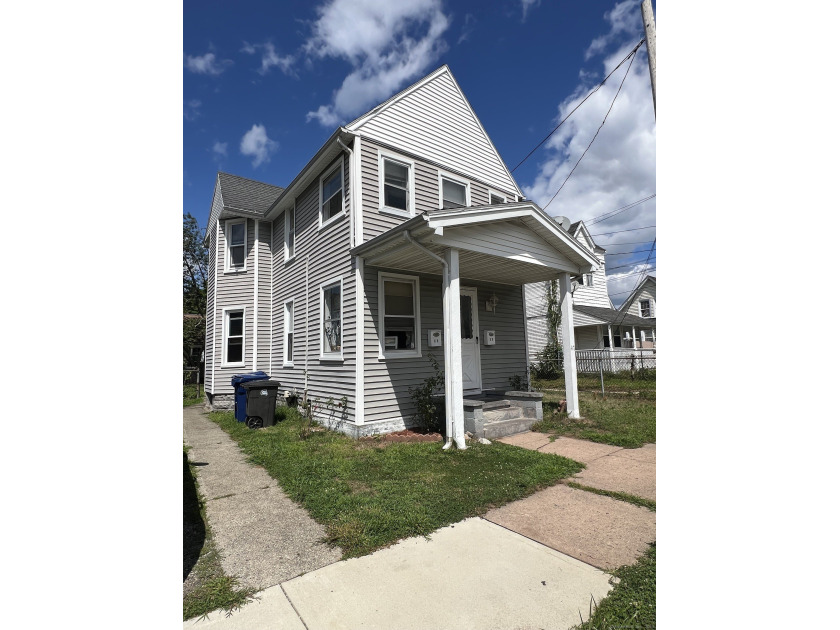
404,235
598,325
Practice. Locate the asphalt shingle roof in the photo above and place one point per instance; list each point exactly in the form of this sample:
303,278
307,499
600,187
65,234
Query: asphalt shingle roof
240,193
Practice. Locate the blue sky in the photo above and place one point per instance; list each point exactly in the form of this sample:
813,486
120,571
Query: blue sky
266,83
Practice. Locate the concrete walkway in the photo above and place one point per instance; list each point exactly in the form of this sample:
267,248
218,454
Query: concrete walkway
599,530
470,575
264,537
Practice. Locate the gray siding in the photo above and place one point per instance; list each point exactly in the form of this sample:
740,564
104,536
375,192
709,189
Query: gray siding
211,293
327,251
264,326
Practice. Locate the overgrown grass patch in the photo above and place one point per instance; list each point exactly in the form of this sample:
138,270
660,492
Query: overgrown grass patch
206,587
193,394
622,420
370,496
620,496
632,602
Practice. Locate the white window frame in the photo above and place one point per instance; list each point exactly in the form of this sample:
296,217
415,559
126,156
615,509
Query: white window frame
418,344
288,327
456,179
288,231
588,280
330,356
650,308
403,161
225,330
229,268
491,192
327,172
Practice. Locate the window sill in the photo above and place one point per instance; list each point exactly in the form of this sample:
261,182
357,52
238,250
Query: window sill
331,358
233,365
289,259
332,220
394,212
408,354
234,272
290,365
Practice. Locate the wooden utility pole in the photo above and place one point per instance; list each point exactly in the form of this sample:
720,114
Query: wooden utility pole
650,40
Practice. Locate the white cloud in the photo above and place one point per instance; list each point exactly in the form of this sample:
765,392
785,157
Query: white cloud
621,284
467,28
625,18
257,144
270,58
220,149
387,44
207,64
526,5
619,168
191,110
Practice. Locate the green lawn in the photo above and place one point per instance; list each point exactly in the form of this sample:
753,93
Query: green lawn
632,602
207,588
369,496
193,396
626,416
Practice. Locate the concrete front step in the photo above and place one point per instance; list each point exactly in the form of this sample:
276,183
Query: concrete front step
506,413
496,404
502,428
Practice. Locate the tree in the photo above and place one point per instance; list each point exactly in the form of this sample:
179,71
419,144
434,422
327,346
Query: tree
195,287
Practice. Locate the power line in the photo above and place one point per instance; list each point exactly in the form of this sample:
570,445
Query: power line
641,280
628,230
598,87
617,92
611,214
621,253
633,264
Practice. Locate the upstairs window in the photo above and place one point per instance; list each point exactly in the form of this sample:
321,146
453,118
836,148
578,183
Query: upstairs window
332,193
234,336
644,306
331,334
235,256
289,229
454,194
497,198
587,279
395,184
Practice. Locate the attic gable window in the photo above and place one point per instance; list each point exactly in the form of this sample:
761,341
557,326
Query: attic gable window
332,193
644,306
235,233
454,192
497,198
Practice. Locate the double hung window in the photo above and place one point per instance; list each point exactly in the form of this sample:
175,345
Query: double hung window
332,193
290,233
236,232
644,306
399,315
289,333
234,322
453,194
331,336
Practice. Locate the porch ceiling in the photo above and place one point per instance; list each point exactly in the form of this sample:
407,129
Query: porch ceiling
507,243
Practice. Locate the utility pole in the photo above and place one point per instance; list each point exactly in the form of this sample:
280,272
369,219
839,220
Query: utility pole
650,40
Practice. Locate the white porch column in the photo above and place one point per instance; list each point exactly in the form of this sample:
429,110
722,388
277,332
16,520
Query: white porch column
633,329
569,359
452,336
359,403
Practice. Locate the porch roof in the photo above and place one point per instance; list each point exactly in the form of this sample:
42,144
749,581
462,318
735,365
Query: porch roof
610,316
509,243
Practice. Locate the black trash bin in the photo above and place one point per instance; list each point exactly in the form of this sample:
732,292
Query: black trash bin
261,400
239,391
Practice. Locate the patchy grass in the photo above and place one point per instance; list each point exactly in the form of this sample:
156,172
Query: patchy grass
627,420
621,496
620,384
369,496
206,587
193,394
632,602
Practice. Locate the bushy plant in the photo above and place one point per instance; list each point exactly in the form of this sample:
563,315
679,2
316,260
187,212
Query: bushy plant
428,412
549,362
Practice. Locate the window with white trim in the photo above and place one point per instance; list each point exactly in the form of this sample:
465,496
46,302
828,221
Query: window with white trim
236,232
497,198
332,193
587,279
234,336
395,184
331,333
289,229
399,315
454,193
644,307
289,333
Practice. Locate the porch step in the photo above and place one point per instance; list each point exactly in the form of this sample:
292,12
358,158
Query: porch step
497,414
496,404
501,428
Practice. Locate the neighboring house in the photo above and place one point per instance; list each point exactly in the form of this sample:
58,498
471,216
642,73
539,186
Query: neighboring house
597,324
405,235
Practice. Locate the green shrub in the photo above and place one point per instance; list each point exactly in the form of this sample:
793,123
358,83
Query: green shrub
428,411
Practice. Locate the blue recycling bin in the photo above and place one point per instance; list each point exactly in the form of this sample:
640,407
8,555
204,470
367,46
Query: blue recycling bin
240,398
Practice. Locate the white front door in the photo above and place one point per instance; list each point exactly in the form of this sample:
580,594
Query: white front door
470,346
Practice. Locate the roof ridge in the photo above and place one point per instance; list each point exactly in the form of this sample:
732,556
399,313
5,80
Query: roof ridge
250,179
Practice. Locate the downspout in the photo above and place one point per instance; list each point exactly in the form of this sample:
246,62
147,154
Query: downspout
306,345
446,297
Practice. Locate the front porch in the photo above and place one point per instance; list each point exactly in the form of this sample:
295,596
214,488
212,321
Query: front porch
505,244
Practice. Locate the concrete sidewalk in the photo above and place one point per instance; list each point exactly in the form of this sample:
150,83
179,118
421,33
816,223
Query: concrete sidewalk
472,575
263,537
